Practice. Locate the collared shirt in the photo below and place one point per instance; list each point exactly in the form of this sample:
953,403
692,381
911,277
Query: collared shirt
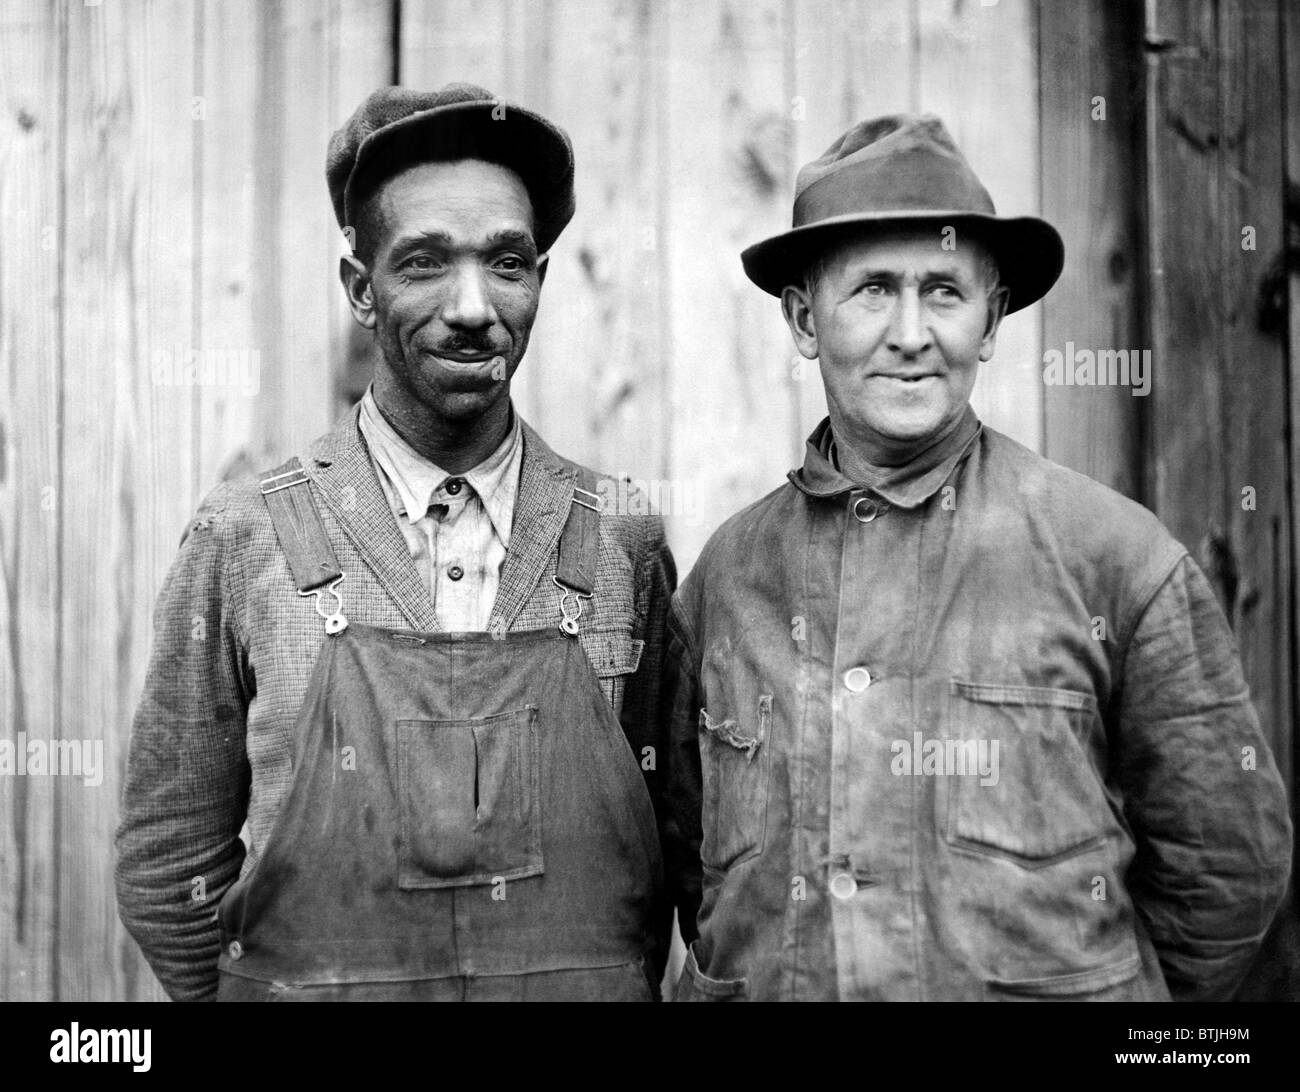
457,526
971,732
916,481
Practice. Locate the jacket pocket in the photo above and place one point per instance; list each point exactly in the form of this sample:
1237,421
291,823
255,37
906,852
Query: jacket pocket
1029,791
614,657
736,767
1103,984
695,985
469,800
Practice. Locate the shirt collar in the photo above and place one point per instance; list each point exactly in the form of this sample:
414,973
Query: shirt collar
906,486
418,482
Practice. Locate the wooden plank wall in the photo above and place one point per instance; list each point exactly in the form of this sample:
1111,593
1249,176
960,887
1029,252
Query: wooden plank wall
1217,448
163,192
1091,127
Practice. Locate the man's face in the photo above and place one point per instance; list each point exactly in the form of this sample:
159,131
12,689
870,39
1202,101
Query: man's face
900,326
451,285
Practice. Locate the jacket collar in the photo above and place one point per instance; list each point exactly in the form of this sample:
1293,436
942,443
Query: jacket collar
339,464
907,486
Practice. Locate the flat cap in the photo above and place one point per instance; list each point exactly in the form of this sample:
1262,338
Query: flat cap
396,128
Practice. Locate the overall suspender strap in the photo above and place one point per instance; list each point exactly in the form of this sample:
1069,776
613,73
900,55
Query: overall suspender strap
579,552
575,567
298,527
315,569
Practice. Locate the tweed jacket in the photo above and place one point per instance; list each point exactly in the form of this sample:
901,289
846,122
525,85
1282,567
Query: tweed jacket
234,648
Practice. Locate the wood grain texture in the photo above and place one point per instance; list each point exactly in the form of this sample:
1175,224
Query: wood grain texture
729,160
1091,193
163,194
1188,487
1254,385
33,74
1218,442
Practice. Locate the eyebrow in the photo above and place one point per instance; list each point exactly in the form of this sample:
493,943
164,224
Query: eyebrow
946,273
504,237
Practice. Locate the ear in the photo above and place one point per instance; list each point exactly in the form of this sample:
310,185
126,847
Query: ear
997,305
356,283
796,306
543,263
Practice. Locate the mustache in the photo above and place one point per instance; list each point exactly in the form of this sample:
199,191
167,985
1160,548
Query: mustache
467,343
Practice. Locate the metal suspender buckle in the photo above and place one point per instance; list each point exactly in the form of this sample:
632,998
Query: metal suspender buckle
570,607
335,622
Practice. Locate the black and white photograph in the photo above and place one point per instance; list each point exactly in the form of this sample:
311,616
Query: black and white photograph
650,500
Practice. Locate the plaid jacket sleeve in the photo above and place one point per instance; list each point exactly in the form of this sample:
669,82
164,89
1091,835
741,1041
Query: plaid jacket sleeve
642,715
187,780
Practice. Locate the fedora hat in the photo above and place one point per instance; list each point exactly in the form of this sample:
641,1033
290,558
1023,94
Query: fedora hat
396,127
903,169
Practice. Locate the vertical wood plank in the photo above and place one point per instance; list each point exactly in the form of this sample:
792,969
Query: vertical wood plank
979,72
599,356
33,75
1188,486
1091,174
1254,426
1219,435
109,403
234,245
730,162
161,414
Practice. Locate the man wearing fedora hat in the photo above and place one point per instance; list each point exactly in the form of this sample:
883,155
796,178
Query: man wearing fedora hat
419,661
950,721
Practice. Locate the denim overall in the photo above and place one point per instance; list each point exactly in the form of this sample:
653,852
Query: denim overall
466,819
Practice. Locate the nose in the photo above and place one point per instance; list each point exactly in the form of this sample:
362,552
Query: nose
908,335
467,305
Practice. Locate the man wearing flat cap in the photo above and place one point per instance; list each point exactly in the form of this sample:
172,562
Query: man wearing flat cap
949,721
419,661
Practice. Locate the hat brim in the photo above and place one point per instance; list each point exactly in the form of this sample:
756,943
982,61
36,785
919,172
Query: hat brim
1029,252
517,138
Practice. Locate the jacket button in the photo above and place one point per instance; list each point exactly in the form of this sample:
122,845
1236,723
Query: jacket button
843,885
866,509
857,679
455,572
235,950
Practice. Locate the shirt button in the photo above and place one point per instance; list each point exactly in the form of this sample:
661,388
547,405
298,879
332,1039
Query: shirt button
455,572
843,885
235,950
857,679
453,486
866,509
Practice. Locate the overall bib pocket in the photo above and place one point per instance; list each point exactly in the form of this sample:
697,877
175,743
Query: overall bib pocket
469,798
1024,788
736,764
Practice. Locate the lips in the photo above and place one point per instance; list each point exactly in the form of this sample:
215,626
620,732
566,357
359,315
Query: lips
465,358
467,362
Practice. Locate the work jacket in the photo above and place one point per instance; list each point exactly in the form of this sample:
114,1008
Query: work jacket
235,644
977,732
